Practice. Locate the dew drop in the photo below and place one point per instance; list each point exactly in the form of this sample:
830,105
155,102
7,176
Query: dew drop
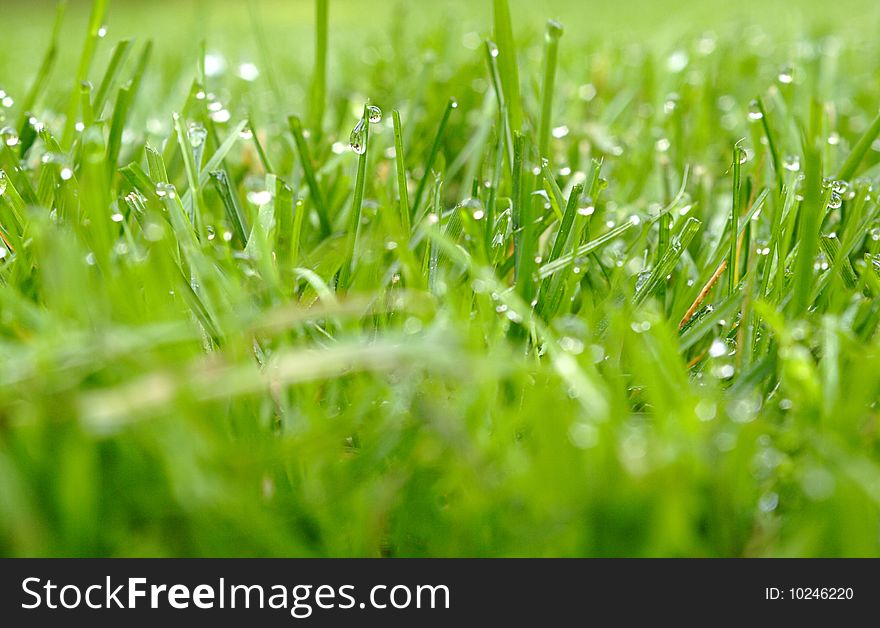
102,32
374,114
2,183
792,163
66,174
260,197
9,135
358,138
587,210
222,115
718,348
197,134
246,133
755,111
768,502
164,190
834,202
786,75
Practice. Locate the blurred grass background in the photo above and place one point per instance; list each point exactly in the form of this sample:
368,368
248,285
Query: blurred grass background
177,26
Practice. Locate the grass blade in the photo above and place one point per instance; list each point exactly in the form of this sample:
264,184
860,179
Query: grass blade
309,171
551,52
432,155
507,63
667,264
400,161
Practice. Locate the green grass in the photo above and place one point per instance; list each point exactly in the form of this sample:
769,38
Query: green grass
612,293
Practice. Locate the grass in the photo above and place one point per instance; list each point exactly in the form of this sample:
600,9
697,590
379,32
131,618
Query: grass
606,293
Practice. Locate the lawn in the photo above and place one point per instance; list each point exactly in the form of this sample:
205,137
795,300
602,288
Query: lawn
338,278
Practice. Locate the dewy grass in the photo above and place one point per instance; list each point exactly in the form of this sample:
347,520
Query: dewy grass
230,332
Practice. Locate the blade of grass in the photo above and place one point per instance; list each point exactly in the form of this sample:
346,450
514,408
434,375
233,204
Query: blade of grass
507,63
354,221
551,52
111,74
400,161
309,170
858,152
432,156
96,19
231,204
566,260
117,126
809,216
667,264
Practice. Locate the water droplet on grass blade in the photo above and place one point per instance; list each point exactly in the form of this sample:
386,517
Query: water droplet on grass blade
166,190
2,183
102,32
9,135
755,113
792,163
260,197
554,30
246,133
221,115
197,134
374,114
768,502
834,202
786,75
718,348
358,138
